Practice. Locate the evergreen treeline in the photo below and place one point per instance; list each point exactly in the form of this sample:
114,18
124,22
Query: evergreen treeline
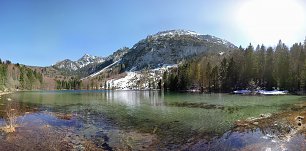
28,78
18,77
251,68
3,74
71,84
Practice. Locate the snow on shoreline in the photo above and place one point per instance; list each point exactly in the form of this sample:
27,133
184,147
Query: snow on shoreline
274,92
261,92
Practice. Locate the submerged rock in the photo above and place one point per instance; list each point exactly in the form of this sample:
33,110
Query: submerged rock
255,123
283,126
62,116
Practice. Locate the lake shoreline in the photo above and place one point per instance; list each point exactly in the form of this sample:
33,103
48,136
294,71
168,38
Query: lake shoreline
167,91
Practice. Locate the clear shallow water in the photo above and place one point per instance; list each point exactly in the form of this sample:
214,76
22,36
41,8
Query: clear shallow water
173,119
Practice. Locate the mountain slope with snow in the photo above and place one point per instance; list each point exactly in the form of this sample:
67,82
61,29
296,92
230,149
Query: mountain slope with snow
147,60
88,59
69,65
145,63
88,65
172,47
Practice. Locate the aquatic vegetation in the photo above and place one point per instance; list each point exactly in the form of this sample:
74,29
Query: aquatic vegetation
12,111
283,125
146,120
197,105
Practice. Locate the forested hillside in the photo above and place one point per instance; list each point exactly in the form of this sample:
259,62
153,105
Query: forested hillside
19,77
251,68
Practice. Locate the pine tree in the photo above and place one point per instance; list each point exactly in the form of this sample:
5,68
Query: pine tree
215,78
208,75
182,77
269,82
173,80
223,75
296,65
249,68
282,65
232,75
303,78
260,64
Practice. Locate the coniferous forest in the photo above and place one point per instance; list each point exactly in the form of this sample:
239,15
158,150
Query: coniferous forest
259,67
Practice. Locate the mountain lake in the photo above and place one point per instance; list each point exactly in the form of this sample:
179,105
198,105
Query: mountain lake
151,120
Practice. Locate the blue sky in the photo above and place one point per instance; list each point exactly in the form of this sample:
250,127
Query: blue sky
42,32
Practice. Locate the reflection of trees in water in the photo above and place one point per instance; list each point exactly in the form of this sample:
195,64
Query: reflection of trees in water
135,98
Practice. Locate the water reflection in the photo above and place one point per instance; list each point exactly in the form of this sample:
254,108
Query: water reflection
135,98
177,119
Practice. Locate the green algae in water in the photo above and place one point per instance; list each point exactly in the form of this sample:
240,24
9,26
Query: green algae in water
174,117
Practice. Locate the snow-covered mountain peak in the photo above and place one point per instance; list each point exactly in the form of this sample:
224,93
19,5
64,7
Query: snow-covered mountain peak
87,57
80,63
180,32
154,51
176,33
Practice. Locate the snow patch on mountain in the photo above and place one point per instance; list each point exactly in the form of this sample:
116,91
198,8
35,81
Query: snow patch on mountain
136,80
99,72
175,33
216,40
80,63
166,67
66,64
209,38
88,59
129,82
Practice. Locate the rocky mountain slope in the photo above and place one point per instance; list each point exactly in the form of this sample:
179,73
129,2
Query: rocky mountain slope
87,64
172,47
143,64
139,67
155,51
68,65
147,60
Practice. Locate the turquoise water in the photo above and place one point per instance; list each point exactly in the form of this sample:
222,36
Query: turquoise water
174,119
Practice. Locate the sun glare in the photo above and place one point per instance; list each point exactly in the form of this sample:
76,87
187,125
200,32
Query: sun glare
267,21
